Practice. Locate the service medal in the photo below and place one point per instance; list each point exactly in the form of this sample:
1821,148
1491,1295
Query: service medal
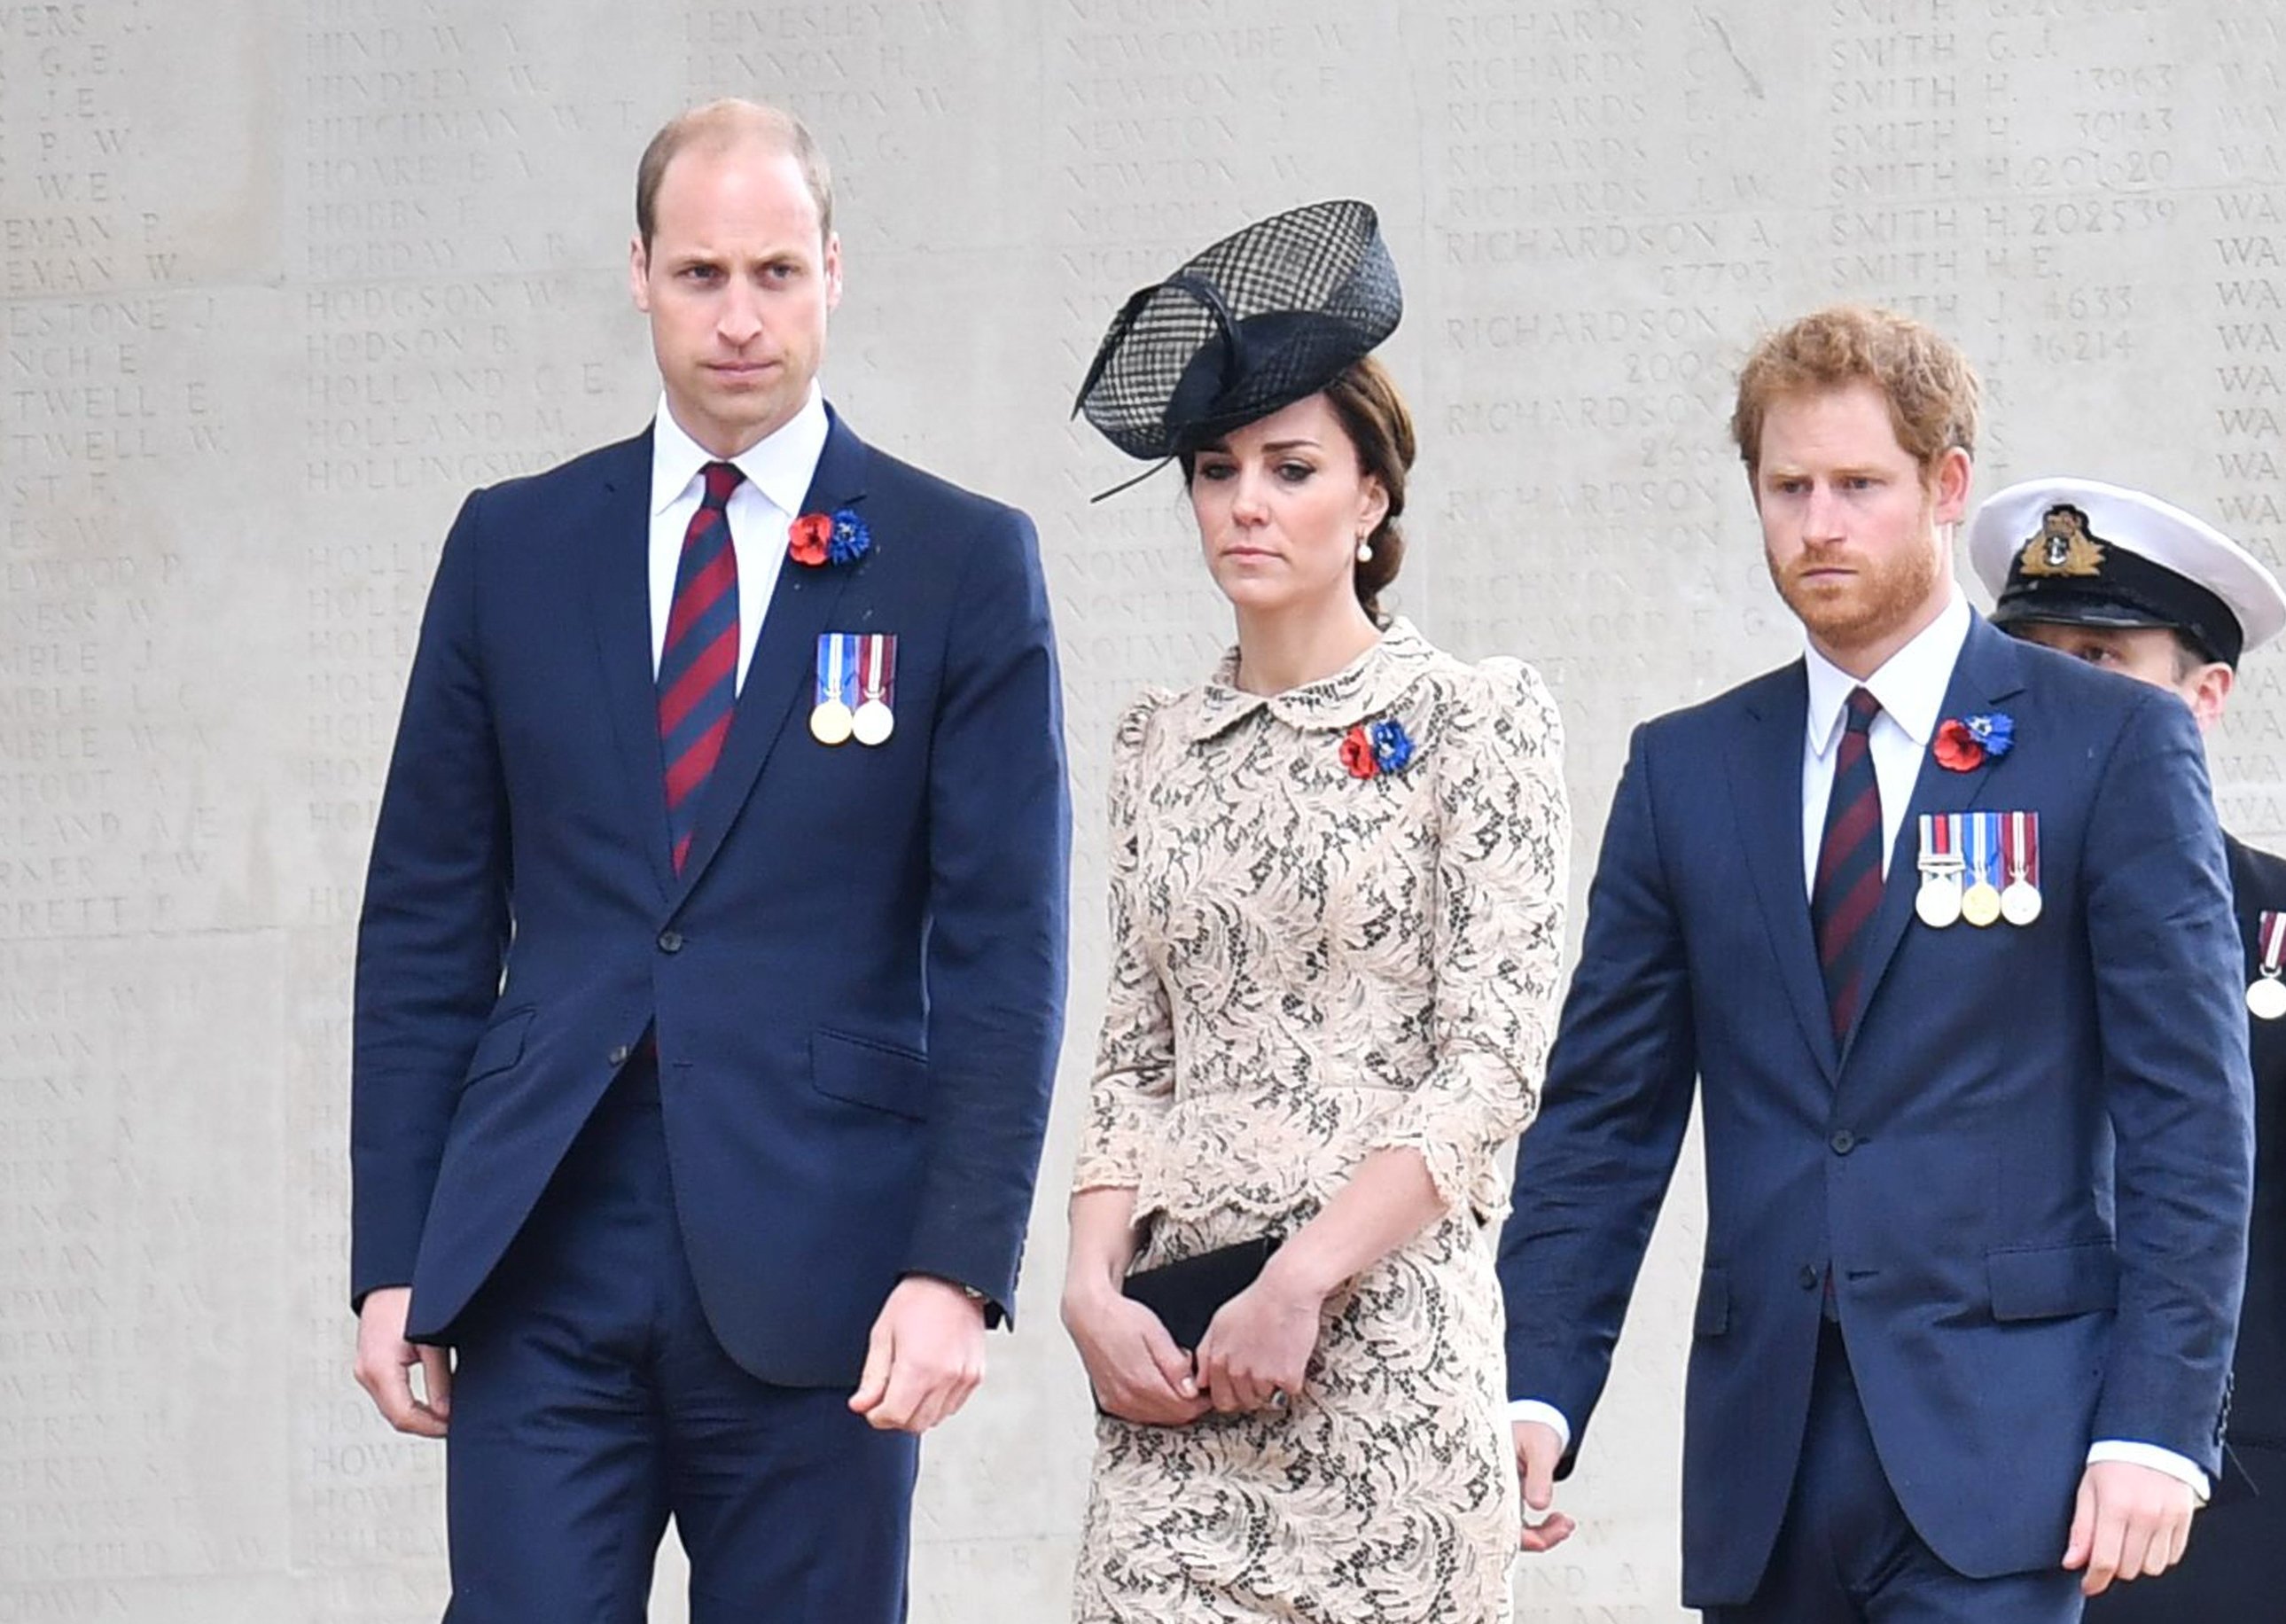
2265,999
830,722
877,667
2020,851
1937,903
1980,903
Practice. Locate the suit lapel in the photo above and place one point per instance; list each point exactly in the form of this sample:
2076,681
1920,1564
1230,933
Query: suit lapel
1766,795
782,676
619,584
1986,674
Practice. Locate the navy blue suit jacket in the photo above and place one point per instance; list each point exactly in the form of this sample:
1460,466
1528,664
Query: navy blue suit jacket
856,983
2027,1166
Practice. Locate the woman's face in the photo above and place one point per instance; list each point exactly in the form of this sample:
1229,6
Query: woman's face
1281,506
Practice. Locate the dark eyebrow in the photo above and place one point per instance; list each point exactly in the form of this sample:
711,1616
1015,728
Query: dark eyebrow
1289,445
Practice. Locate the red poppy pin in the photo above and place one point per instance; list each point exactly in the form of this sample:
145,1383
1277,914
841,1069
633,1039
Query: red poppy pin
819,539
1372,748
1965,744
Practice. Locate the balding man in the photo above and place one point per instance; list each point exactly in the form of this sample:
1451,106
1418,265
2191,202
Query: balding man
711,973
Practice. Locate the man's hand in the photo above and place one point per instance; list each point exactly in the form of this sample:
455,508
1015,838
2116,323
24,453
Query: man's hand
385,1361
926,1356
1138,1371
2131,1522
1538,1449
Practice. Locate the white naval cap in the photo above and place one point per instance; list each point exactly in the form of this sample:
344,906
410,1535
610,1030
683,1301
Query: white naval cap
2077,552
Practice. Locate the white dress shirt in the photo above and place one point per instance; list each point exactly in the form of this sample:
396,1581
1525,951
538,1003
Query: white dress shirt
1911,687
761,512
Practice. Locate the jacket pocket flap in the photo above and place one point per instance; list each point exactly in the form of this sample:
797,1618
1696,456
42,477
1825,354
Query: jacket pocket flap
500,1047
865,1071
2048,1283
1713,1317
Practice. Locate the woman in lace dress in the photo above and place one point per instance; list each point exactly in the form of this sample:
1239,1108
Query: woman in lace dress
1336,895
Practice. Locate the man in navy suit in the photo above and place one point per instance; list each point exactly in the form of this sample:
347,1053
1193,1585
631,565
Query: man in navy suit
1935,927
711,974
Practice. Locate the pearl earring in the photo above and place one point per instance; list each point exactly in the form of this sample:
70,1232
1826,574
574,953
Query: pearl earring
1364,550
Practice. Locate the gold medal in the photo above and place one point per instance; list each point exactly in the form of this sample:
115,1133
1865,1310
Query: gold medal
1937,903
873,723
1980,904
831,723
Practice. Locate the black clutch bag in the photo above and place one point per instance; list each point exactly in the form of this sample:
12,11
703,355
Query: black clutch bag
1185,1295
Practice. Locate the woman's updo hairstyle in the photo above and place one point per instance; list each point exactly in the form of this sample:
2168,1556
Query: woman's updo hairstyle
1376,418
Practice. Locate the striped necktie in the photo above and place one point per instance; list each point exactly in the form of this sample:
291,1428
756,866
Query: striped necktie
699,667
1847,893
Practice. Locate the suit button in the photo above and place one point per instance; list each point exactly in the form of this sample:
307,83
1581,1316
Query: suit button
1843,1142
670,942
619,1055
1810,1277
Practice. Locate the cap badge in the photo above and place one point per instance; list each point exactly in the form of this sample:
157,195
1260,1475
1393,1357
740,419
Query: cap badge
2062,548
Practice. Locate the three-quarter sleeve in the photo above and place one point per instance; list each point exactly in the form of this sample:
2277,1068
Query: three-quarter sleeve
1496,929
1134,1076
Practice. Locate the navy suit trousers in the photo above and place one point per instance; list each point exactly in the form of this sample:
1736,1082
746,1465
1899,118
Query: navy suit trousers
1847,1554
591,1402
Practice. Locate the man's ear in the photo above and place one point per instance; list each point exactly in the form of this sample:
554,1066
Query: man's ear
639,274
2208,691
1948,485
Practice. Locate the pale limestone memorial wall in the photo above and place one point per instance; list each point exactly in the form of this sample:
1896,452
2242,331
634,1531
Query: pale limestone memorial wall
280,279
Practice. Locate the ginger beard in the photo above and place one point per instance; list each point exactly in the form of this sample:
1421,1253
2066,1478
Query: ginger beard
1880,593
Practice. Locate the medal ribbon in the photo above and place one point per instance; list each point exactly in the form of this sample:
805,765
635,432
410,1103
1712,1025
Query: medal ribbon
876,664
2270,935
2020,840
1984,836
832,664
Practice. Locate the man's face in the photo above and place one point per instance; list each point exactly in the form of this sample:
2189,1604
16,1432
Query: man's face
1850,527
737,281
2148,653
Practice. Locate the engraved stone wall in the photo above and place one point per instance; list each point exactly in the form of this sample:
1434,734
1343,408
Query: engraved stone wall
280,279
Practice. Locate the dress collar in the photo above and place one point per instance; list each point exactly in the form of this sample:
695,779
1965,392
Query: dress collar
1367,685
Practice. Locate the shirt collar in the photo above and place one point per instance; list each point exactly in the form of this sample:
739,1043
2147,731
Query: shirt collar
780,465
1368,684
1909,685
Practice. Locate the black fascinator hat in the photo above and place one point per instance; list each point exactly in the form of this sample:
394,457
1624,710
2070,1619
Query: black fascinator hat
1268,316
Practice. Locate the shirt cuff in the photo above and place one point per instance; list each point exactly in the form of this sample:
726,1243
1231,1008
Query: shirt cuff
2176,1466
1548,1415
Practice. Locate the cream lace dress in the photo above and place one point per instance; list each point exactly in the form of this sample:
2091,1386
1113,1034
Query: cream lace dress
1308,966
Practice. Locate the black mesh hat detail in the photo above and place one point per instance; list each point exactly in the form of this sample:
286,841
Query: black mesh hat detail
1268,316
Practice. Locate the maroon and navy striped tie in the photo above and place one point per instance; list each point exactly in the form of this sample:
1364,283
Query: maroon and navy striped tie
1847,893
699,667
